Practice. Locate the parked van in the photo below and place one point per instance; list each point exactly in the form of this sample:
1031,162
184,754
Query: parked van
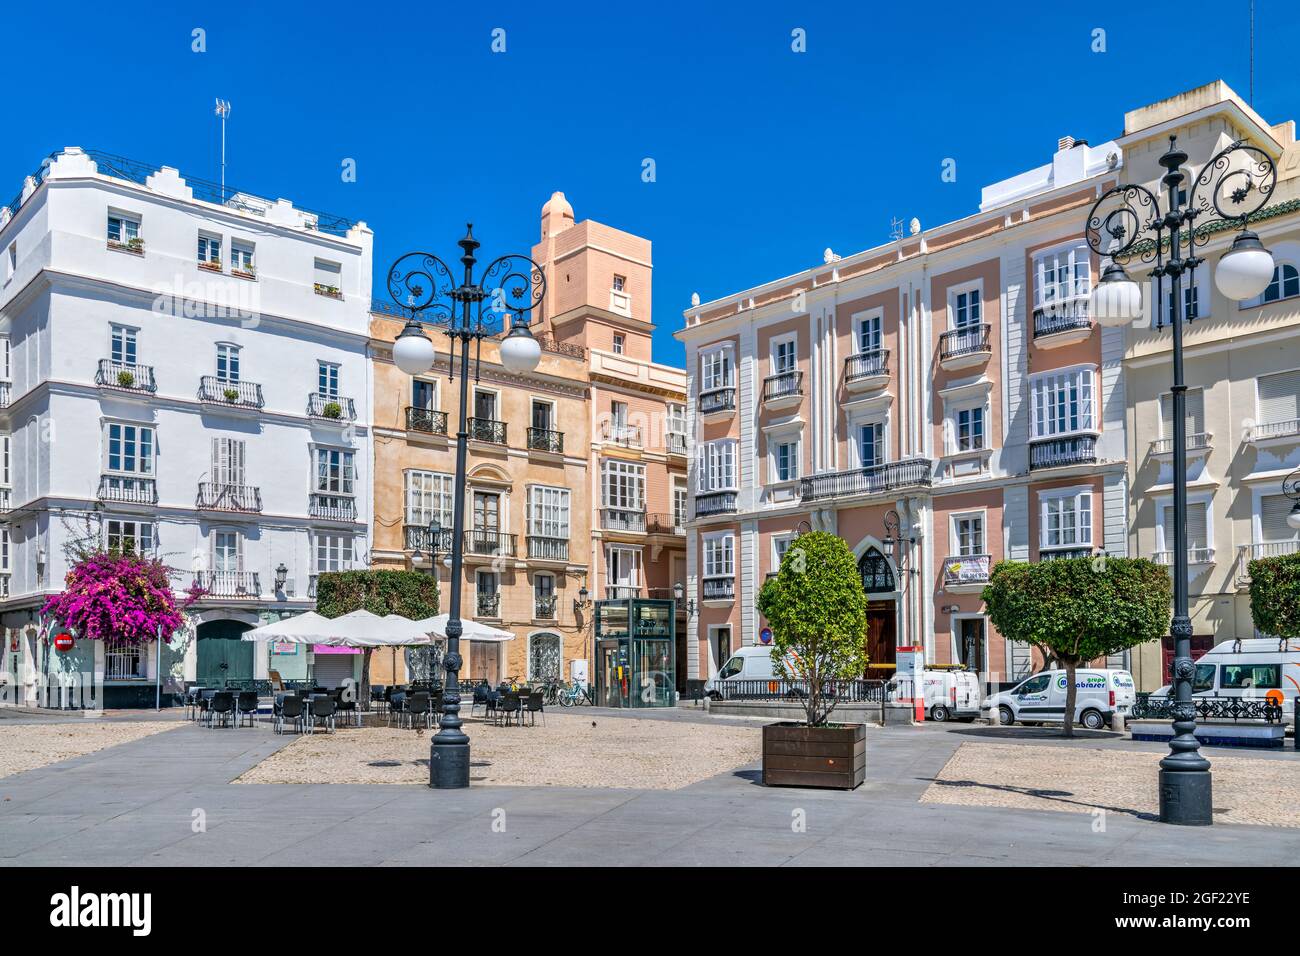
753,662
1040,699
1255,667
950,692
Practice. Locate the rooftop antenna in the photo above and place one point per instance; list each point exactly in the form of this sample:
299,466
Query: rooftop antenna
223,110
1252,53
895,228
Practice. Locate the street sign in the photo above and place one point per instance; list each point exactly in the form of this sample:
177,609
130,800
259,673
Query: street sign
765,636
63,642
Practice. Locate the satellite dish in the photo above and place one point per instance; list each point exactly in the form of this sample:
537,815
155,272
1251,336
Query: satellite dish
914,226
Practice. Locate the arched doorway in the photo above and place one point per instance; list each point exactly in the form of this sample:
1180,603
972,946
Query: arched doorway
223,655
882,614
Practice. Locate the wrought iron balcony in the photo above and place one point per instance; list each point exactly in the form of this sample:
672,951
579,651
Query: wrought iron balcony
136,491
548,549
675,443
783,385
718,400
230,584
664,524
628,436
332,507
490,542
488,605
965,342
1059,554
873,479
622,592
715,503
1060,452
1200,441
220,496
962,569
865,366
622,519
426,420
1061,317
488,430
719,589
419,538
544,607
544,439
127,376
332,407
237,394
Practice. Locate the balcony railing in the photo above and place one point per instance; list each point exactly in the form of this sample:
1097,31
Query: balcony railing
490,542
545,548
544,607
1059,554
230,584
719,589
136,491
628,436
621,592
873,479
1247,553
420,538
1061,317
675,443
783,385
718,400
866,365
6,394
970,340
488,605
333,407
125,375
715,503
332,507
1194,556
488,430
238,394
312,581
966,569
622,519
1059,452
6,500
664,524
426,420
1284,429
545,439
1195,442
220,496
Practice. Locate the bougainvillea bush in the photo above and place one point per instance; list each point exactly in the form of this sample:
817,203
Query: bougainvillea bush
123,598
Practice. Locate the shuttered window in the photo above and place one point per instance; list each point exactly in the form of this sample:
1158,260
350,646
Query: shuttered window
228,461
1197,526
1195,409
1273,510
1278,398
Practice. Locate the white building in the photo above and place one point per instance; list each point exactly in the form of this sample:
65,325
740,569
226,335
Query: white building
186,369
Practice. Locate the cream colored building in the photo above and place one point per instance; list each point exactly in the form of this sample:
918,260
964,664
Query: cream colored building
1242,368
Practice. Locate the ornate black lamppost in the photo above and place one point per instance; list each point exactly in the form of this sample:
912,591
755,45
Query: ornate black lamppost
425,288
1130,221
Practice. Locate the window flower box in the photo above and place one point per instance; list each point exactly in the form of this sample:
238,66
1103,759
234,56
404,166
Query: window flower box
210,266
134,246
329,291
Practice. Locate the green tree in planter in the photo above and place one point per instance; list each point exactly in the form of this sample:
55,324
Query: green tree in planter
1080,609
817,610
411,594
1275,595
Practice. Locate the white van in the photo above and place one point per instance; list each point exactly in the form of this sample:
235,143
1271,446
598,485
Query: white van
1255,667
753,662
1040,699
949,692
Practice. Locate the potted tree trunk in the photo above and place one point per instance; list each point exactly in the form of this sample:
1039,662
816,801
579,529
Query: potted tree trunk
816,609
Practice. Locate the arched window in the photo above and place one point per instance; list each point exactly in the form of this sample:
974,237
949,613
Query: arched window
875,571
544,657
1284,285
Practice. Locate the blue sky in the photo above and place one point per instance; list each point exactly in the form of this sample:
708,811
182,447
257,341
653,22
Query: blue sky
763,156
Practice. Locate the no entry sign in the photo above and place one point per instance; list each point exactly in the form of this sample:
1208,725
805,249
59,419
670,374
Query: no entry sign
63,642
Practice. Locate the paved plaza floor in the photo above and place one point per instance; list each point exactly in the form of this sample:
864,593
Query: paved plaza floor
169,798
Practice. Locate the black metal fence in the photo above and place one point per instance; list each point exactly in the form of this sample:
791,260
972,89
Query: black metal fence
1150,707
856,691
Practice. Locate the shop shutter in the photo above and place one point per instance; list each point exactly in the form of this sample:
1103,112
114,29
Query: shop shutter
330,670
1278,397
1273,510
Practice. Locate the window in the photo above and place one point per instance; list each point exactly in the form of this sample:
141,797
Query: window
487,511
784,356
1245,676
715,370
1273,512
719,555
13,259
679,502
122,344
869,337
227,551
1284,284
1061,275
1062,402
717,466
543,415
968,530
676,419
1191,305
4,460
327,379
209,250
1194,408
1066,520
780,545
333,552
969,428
227,363
241,257
488,592
622,569
620,283
877,576
126,536
485,405
618,415
335,470
1035,685
544,657
429,496
548,512
122,230
424,394
4,550
624,485
228,461
619,341
966,309
1279,398
1198,531
130,449
871,444
123,661
328,277
785,460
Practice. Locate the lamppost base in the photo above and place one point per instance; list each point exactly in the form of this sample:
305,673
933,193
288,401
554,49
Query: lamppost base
1185,798
449,766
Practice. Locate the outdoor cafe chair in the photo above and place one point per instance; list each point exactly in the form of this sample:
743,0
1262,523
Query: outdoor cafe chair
436,701
507,707
221,709
322,711
482,696
395,705
378,695
247,707
536,705
288,708
192,698
417,708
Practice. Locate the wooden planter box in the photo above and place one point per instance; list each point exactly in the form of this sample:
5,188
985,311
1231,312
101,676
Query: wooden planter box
796,755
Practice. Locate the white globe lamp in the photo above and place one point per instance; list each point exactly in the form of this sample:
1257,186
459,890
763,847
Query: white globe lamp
1116,300
520,352
1246,269
413,352
1293,519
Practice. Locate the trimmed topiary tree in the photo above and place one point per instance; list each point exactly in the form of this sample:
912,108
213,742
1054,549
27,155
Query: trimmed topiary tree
1080,609
817,610
1275,595
411,594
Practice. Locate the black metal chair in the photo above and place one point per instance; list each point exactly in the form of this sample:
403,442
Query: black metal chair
192,698
246,705
221,709
508,707
417,708
323,707
288,708
378,696
396,703
436,701
536,705
482,695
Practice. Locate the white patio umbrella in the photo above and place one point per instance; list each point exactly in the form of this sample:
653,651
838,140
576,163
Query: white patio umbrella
358,629
471,630
308,628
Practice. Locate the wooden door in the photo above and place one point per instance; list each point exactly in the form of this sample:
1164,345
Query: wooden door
882,641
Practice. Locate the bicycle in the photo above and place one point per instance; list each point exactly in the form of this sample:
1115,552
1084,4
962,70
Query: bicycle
550,688
575,695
